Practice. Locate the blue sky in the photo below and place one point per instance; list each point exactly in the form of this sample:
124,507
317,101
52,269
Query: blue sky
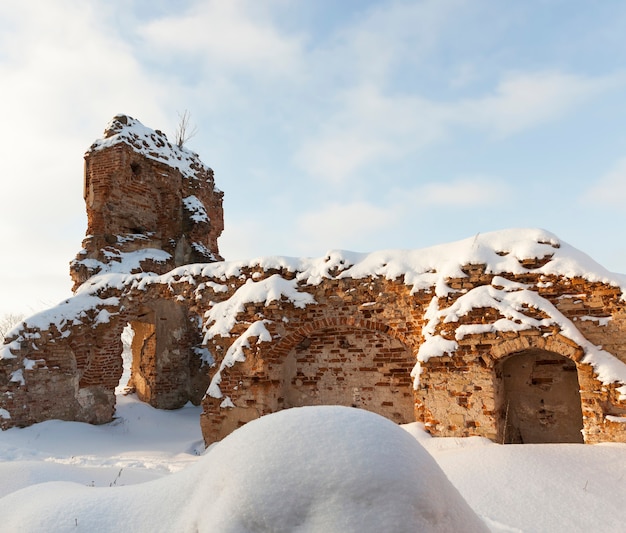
359,125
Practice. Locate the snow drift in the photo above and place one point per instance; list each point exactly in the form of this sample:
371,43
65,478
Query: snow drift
308,469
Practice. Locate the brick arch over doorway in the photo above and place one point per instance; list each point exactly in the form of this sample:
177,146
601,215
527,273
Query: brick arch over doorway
299,333
358,363
543,391
331,360
464,394
537,341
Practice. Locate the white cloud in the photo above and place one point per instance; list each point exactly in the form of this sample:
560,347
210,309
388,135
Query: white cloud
386,36
359,225
469,191
337,225
464,75
338,155
64,74
81,66
369,125
526,100
231,35
610,189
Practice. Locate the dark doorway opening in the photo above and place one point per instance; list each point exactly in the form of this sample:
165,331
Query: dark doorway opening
540,398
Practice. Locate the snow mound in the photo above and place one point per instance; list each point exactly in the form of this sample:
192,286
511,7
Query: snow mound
330,468
325,468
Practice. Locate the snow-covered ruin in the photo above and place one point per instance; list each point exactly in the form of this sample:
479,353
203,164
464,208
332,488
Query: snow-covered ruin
512,335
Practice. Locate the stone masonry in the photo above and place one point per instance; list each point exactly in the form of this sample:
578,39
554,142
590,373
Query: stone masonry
505,345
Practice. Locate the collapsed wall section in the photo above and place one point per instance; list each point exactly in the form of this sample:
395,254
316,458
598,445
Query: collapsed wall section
66,363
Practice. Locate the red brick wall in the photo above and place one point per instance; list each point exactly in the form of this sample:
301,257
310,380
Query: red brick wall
131,196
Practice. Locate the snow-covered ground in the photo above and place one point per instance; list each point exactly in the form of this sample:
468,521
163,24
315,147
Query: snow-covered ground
324,469
309,469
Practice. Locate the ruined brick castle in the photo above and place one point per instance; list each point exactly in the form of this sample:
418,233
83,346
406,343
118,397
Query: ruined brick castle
512,335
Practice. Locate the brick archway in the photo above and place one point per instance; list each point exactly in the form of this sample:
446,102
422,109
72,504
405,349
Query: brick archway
293,338
538,391
551,343
351,362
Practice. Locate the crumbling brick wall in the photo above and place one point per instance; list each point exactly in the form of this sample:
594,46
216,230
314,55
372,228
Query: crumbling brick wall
407,344
459,394
355,343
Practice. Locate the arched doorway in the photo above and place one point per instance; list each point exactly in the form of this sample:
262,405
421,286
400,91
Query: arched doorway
539,398
351,366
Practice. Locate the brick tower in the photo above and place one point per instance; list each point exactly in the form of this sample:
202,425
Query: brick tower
151,205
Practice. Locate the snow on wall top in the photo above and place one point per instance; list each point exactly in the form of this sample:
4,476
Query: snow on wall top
500,251
426,269
151,143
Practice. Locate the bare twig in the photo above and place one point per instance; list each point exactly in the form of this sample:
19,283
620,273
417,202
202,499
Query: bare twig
119,474
184,131
8,322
